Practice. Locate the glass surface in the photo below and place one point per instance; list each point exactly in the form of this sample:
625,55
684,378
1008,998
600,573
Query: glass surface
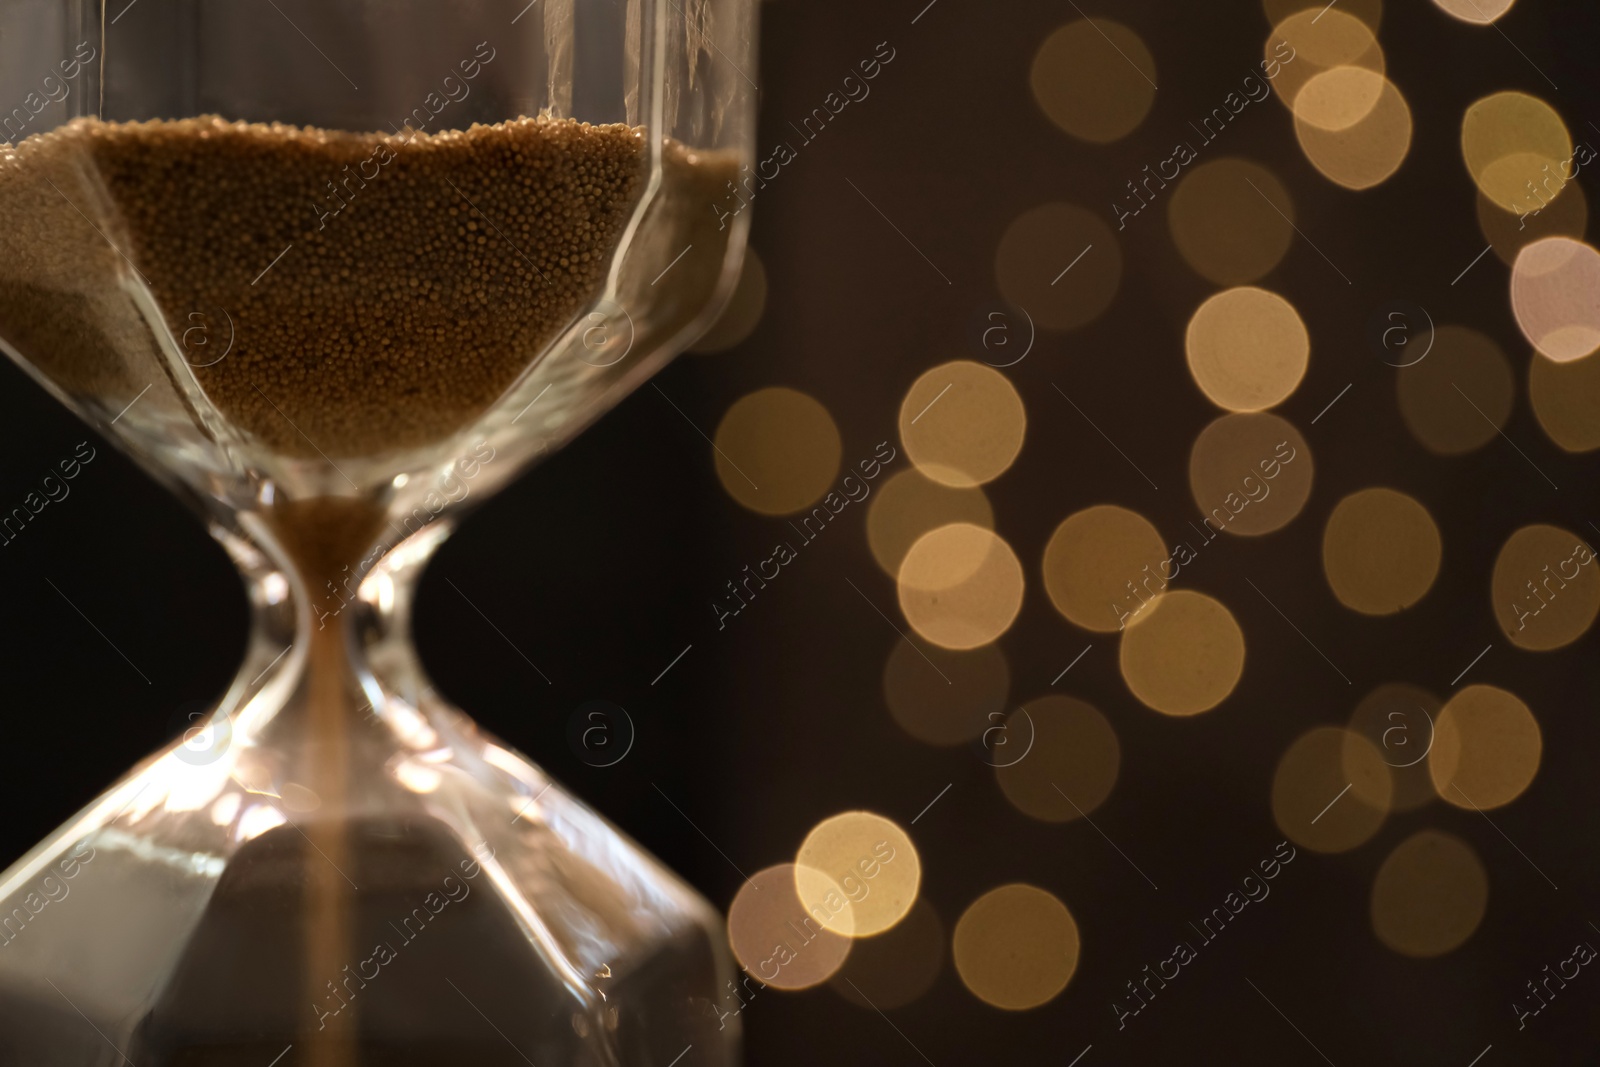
329,270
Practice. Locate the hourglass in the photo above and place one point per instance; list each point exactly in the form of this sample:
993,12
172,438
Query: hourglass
329,269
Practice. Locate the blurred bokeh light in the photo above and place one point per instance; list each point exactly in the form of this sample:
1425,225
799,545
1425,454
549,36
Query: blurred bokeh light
1016,947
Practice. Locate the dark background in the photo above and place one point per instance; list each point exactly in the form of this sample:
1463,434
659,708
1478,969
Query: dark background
601,565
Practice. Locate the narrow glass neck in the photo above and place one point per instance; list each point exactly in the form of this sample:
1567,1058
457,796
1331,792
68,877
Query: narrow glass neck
330,591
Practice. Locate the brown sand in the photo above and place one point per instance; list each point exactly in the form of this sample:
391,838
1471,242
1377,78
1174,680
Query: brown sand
373,292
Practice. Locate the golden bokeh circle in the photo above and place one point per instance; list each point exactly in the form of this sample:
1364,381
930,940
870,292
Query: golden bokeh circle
1566,214
1553,286
1331,790
960,586
1481,12
743,313
1457,398
910,504
1339,97
897,967
777,451
1016,947
1566,401
1232,220
1071,766
1545,588
1247,349
1367,152
1102,565
1487,750
1095,79
1509,140
1060,263
1311,41
778,939
1183,655
1380,551
945,697
1250,473
1400,720
962,423
867,857
1430,895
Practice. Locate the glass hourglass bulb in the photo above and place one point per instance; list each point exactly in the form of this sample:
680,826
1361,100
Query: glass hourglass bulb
331,270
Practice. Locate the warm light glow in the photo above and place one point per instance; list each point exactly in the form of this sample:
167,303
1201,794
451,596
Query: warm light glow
895,968
1094,79
1016,947
412,729
1554,283
1339,98
777,451
743,313
1102,564
1458,397
1331,790
961,586
1430,895
1072,764
257,820
1516,148
1487,750
871,860
1239,478
1380,551
1314,40
193,775
1400,720
1247,349
962,423
1481,12
1546,588
415,776
1183,654
226,809
1232,220
1565,214
781,942
908,505
275,586
945,697
1566,400
1061,262
1367,152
